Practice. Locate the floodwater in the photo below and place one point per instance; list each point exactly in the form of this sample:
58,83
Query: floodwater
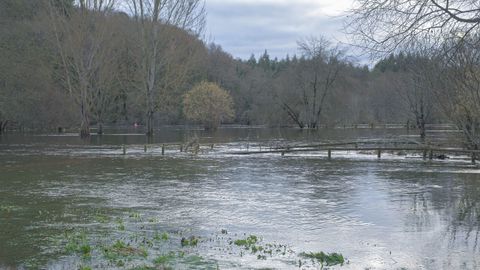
398,212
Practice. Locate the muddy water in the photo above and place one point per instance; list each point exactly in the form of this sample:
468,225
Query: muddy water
393,213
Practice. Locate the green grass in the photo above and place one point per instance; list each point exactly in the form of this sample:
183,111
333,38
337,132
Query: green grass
164,259
248,242
325,258
161,237
192,241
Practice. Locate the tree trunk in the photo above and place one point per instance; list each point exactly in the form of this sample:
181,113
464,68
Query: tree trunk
85,124
422,128
293,115
3,126
100,128
150,123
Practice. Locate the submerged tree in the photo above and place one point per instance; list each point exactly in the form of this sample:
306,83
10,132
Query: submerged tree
83,37
208,104
448,30
314,79
458,90
152,19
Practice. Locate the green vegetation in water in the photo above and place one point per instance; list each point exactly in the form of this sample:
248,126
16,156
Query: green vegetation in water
78,243
144,267
121,226
142,249
253,244
8,208
325,258
165,259
192,241
102,218
135,216
161,237
120,252
248,242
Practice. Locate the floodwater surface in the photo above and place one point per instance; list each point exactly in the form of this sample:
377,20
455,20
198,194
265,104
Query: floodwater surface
70,204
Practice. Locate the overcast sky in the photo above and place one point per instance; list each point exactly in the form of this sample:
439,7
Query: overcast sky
243,27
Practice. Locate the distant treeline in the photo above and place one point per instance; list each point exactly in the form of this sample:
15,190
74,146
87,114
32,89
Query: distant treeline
69,64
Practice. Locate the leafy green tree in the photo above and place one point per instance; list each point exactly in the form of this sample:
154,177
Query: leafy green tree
208,104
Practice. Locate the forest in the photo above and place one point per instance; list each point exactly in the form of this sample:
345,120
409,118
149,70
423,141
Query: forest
80,65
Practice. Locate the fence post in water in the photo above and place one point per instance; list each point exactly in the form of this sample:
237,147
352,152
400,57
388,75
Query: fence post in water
181,147
431,154
124,149
473,158
329,154
145,148
211,147
424,153
163,149
379,153
283,153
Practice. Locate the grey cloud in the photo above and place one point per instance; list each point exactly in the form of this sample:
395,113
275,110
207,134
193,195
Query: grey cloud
246,28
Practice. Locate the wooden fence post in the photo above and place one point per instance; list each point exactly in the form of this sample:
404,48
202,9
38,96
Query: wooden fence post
379,153
124,149
163,149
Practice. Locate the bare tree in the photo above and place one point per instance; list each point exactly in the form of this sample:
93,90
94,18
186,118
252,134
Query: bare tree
458,90
448,29
415,90
315,76
82,36
385,26
153,18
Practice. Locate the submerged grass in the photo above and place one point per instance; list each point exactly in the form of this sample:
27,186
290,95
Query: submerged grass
140,248
329,259
192,241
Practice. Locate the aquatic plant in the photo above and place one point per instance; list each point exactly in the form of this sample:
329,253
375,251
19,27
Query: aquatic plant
164,259
121,226
101,218
248,242
7,208
144,267
192,241
77,242
325,258
130,249
135,216
161,237
120,250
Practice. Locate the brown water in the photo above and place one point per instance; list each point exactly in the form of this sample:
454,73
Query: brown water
393,213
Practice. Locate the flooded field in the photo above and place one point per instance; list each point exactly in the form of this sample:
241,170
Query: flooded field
71,204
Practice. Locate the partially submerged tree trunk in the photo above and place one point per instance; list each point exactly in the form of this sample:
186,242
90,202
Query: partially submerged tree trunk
3,126
149,125
100,128
150,15
85,123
